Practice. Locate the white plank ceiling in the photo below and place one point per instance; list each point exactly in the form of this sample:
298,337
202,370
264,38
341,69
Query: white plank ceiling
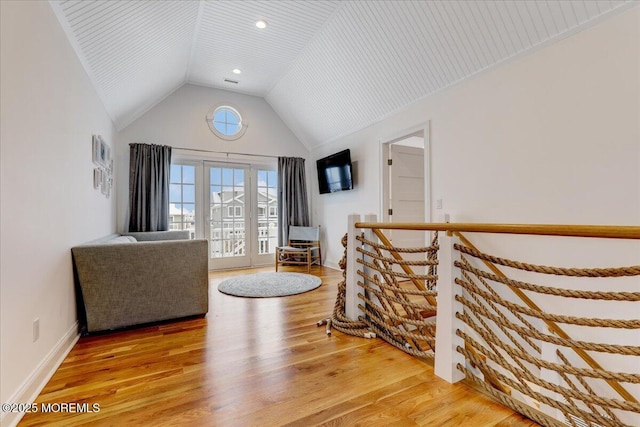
327,68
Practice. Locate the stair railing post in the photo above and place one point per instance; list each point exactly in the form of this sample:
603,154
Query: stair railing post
370,235
447,357
351,298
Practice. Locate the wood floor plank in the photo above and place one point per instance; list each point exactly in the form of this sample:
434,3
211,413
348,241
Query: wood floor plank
257,362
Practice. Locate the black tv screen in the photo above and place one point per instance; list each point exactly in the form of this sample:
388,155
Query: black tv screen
335,172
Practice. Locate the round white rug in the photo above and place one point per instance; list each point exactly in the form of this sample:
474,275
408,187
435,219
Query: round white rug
265,285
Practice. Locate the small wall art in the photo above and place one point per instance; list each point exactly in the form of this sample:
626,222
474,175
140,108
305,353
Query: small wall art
97,177
101,157
95,149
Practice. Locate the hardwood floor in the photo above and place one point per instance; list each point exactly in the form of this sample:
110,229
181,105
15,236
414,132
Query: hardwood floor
257,362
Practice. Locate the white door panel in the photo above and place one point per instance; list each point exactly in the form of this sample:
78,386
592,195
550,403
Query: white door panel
407,196
407,183
265,216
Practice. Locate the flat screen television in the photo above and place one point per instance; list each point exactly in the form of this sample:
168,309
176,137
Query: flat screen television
335,172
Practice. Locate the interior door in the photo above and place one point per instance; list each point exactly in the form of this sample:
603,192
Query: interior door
228,205
407,195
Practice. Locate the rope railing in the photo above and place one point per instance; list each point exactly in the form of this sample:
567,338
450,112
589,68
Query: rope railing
398,307
574,404
549,320
514,350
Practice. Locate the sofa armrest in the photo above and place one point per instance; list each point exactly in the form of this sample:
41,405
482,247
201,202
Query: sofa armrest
144,236
135,283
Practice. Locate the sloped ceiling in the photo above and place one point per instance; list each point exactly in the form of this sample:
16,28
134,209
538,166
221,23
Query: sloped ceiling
328,68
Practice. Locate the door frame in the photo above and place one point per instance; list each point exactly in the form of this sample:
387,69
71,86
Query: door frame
383,147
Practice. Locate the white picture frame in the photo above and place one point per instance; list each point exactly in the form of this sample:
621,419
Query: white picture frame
101,157
95,149
104,153
104,183
97,178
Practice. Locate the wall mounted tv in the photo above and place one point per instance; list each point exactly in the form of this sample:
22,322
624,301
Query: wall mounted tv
335,172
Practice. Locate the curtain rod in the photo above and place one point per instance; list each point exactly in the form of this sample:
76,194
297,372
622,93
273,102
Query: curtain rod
225,152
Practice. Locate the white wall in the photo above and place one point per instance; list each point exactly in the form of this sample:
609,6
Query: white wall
552,137
179,121
49,110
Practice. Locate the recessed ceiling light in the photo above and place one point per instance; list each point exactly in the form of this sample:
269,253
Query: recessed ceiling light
237,71
261,24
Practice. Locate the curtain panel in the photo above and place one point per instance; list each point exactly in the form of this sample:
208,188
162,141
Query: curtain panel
149,170
293,205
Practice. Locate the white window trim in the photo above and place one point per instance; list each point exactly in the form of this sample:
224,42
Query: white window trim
243,122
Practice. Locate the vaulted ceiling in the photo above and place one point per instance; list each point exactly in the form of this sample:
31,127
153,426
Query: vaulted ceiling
327,68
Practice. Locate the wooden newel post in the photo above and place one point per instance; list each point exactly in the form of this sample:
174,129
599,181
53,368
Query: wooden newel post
447,357
369,235
351,298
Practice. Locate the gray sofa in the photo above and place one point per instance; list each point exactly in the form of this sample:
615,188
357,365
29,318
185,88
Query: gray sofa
138,278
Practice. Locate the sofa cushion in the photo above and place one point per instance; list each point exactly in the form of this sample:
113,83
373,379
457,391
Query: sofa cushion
121,239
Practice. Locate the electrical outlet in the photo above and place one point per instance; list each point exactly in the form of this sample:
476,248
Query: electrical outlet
36,329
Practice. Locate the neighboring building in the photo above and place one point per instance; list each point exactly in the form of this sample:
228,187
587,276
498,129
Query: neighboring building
227,232
179,220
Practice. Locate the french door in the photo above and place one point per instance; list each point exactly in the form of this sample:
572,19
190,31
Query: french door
232,205
228,206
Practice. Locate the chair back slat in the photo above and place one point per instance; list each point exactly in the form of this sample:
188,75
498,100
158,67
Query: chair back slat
304,233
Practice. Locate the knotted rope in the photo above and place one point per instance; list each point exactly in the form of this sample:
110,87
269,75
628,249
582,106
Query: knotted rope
575,272
501,339
490,318
339,319
400,315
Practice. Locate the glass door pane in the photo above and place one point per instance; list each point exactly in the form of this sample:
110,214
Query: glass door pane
229,206
182,198
266,236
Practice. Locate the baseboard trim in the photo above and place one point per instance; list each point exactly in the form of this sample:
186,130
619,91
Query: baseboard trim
332,265
33,385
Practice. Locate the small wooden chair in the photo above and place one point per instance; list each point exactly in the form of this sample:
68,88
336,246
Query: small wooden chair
303,248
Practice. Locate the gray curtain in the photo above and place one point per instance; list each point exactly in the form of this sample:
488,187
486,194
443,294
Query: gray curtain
149,169
293,206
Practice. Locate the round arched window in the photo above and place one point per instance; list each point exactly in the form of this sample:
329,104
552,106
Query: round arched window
226,122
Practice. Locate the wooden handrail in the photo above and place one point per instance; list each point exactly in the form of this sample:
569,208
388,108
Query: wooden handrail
598,231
